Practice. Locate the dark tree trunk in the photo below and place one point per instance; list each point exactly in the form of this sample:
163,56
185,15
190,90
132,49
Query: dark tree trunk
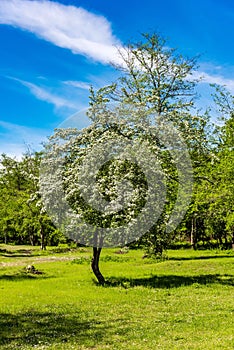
233,241
95,265
226,241
220,241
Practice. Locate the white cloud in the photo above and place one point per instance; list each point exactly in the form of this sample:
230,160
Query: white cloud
214,79
78,84
44,95
69,27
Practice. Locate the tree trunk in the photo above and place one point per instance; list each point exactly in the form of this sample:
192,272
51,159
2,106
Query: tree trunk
43,245
95,265
193,233
233,241
31,238
226,241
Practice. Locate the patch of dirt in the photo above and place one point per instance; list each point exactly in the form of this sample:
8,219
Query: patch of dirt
36,260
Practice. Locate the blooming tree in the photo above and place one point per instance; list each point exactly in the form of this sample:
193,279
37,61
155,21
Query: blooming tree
129,173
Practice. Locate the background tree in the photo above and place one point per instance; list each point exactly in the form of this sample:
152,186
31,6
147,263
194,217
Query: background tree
222,195
22,220
209,220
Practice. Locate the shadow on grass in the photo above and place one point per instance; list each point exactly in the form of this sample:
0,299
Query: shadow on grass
22,275
169,281
43,328
201,257
19,253
23,253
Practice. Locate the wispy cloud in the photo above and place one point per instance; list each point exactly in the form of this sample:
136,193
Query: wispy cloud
209,78
45,95
78,84
69,27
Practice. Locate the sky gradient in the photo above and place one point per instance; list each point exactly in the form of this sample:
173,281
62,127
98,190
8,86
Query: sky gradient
52,51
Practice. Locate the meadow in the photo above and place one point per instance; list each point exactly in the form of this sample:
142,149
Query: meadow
183,302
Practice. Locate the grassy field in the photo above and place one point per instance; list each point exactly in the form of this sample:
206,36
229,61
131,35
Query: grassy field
185,302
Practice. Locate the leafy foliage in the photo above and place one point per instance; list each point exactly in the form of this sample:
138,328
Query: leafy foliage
22,219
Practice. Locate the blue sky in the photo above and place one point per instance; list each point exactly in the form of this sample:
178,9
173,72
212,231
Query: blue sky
51,51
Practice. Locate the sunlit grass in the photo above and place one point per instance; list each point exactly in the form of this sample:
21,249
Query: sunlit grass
185,302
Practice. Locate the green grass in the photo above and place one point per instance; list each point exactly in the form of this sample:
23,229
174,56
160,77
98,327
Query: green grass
185,302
